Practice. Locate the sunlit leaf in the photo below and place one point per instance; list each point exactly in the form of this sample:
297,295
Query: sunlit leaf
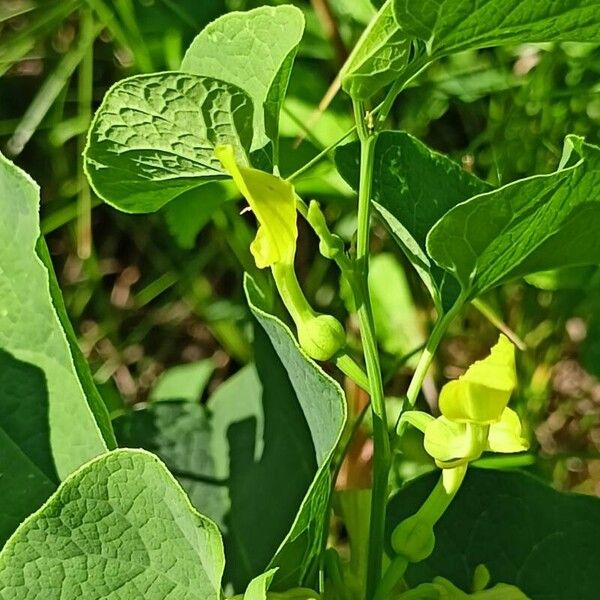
120,527
535,224
52,419
254,50
274,421
257,588
154,136
378,58
448,26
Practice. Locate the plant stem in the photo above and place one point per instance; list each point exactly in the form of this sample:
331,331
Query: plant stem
316,159
381,440
488,312
413,69
426,358
391,578
347,365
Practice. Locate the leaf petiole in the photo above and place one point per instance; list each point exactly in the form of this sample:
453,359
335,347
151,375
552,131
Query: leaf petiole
316,159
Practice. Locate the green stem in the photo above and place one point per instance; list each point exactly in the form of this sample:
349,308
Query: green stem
343,361
440,498
393,574
488,312
426,358
316,159
381,440
413,69
348,366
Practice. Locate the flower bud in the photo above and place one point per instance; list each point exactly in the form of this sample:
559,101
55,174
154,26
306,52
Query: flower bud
414,538
321,336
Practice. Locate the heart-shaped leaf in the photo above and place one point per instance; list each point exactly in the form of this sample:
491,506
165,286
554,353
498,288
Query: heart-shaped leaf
53,419
413,187
255,51
153,137
535,224
120,527
324,407
275,421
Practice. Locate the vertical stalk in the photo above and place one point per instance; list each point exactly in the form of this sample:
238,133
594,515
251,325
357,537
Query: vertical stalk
85,93
381,441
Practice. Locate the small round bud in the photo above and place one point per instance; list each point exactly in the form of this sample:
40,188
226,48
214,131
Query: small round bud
321,336
414,539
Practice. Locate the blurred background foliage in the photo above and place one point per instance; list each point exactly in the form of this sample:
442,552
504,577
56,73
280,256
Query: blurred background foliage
146,293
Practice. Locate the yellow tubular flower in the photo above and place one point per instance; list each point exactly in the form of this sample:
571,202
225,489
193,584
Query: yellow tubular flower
273,203
483,392
475,416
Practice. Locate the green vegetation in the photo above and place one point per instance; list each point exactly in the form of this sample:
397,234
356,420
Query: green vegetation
375,381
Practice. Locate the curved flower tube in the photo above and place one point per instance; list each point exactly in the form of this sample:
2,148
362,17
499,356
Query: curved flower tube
273,202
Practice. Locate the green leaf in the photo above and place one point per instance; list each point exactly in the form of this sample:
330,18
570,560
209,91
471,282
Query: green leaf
394,312
378,58
153,137
274,422
324,408
184,382
258,587
193,441
33,340
229,457
572,278
27,472
95,400
413,187
448,26
254,51
188,214
535,224
120,527
527,534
